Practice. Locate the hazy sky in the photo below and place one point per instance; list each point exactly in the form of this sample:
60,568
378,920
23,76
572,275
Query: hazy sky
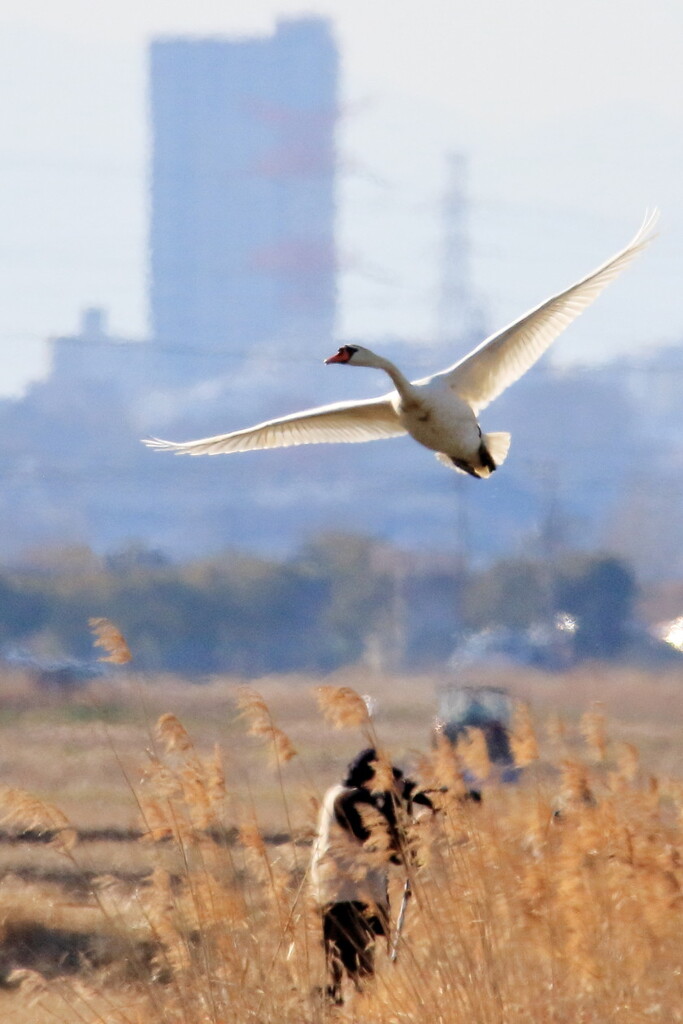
571,114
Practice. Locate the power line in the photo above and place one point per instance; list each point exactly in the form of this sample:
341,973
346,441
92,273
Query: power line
271,353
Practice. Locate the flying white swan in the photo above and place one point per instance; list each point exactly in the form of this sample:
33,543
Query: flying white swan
440,412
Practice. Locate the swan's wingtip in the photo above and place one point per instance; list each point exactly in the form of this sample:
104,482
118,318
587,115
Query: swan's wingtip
646,232
157,442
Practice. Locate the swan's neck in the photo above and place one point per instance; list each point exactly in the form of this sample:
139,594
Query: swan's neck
401,383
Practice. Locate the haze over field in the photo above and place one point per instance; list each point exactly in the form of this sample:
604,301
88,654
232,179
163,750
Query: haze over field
570,117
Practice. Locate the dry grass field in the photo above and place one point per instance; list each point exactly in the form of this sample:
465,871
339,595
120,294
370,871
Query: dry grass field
156,842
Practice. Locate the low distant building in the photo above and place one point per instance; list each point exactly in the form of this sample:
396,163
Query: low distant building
92,354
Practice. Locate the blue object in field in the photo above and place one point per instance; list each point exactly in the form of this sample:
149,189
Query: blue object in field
488,709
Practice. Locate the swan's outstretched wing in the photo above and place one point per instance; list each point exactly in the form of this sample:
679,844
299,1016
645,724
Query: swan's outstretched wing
369,420
502,359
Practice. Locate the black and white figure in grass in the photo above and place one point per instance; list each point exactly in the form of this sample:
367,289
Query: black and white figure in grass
350,871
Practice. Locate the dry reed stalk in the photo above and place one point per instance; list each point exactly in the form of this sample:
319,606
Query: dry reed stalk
172,734
431,841
518,915
615,884
343,707
183,799
161,777
270,881
473,750
196,918
111,639
592,727
504,929
215,778
251,837
534,893
556,728
628,762
575,910
157,828
213,905
27,813
378,847
465,921
160,802
535,825
202,918
257,713
254,709
383,781
195,798
575,790
523,742
163,916
442,771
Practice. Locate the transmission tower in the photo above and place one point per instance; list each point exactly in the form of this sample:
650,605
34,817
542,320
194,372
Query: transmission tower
460,320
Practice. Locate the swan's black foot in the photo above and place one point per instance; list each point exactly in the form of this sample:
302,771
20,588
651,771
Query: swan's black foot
486,458
465,467
485,462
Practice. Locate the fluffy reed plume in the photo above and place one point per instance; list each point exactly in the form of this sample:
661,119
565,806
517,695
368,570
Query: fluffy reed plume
256,712
172,734
473,750
377,848
384,774
26,813
518,914
251,837
162,912
523,742
592,727
628,762
442,770
215,778
111,639
200,913
575,790
343,707
157,824
183,795
556,728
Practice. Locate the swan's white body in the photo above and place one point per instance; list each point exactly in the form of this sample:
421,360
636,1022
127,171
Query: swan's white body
440,412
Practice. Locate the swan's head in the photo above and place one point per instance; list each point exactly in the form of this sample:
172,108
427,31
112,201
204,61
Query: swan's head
355,354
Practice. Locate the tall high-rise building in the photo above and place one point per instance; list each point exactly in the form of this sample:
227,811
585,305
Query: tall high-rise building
243,190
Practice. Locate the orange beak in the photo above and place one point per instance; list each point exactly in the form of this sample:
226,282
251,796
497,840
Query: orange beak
342,356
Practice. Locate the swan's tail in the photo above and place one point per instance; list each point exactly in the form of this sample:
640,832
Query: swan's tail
492,454
498,446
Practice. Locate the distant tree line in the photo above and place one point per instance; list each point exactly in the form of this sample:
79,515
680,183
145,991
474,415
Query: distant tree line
339,599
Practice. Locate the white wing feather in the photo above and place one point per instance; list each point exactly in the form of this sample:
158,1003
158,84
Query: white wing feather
369,420
504,357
